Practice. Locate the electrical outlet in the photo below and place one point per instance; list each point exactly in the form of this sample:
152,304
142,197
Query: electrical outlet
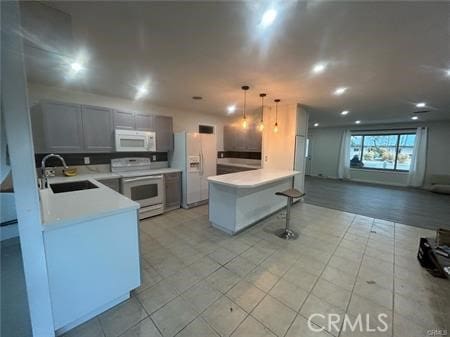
221,155
87,160
154,157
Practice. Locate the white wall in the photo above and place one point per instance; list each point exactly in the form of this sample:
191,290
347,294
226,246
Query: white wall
325,143
183,120
278,147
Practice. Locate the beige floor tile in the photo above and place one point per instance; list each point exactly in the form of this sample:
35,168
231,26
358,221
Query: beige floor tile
149,277
375,293
331,293
117,320
300,277
362,306
427,314
318,311
204,267
183,279
382,279
223,279
145,328
256,254
348,266
404,327
197,328
224,316
252,328
91,328
301,328
339,278
289,294
201,296
155,297
173,317
222,255
262,278
312,266
240,266
274,315
246,295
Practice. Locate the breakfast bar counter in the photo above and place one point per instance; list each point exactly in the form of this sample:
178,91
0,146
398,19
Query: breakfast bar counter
239,200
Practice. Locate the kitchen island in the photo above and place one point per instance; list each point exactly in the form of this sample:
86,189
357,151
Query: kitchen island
91,239
239,200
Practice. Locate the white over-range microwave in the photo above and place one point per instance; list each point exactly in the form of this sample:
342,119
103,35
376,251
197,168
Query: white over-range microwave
135,141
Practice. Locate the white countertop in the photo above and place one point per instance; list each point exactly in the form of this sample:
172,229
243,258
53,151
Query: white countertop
61,209
250,179
84,176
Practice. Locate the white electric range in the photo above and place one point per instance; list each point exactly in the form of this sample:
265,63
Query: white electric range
140,184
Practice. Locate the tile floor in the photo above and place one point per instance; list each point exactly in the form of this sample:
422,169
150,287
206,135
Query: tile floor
199,282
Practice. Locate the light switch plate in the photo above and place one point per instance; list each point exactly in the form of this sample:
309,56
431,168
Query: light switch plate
154,157
87,160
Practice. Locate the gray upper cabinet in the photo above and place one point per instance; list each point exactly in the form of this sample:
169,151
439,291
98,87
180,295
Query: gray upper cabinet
228,138
124,120
97,129
164,133
144,122
60,127
73,128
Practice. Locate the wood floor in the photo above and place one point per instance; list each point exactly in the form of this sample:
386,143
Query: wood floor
399,204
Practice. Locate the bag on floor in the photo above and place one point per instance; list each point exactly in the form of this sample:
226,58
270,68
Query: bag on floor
428,259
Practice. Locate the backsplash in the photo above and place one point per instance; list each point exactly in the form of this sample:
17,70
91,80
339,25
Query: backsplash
239,154
73,159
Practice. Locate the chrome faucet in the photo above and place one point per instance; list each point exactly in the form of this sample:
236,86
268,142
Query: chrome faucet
44,176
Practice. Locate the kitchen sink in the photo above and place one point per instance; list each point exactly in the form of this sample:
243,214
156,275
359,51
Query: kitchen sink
72,186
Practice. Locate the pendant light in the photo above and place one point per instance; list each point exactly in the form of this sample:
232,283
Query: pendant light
261,123
275,128
244,117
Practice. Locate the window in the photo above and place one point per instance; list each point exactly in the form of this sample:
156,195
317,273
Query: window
382,151
206,129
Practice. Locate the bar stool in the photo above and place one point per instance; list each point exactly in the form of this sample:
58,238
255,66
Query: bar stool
291,194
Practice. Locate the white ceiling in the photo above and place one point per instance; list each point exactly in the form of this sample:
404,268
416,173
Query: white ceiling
390,55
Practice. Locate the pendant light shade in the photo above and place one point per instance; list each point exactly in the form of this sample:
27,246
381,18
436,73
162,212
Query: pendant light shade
244,117
275,128
261,122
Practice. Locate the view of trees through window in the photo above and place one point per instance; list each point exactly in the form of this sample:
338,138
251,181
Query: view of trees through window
383,151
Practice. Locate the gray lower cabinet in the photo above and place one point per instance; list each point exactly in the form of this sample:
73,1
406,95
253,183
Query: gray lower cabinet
57,127
113,183
225,169
124,120
97,129
144,122
164,133
172,183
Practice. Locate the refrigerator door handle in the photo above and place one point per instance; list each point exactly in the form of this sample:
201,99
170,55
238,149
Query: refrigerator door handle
201,161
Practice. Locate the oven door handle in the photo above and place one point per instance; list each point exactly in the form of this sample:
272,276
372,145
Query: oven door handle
142,178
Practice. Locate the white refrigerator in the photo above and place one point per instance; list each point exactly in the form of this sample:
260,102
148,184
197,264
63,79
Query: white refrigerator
195,155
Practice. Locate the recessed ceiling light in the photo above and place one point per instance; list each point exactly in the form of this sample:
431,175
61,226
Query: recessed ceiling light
76,67
339,91
268,17
414,118
447,72
421,105
316,125
345,112
358,122
231,109
319,68
197,97
141,91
